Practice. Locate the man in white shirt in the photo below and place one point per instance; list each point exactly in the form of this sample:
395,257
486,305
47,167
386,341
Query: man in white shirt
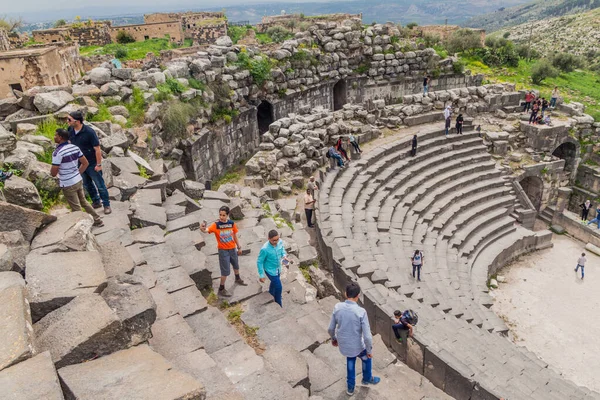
309,205
448,118
581,263
65,161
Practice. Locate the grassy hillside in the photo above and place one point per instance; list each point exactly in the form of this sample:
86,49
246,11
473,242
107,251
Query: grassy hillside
535,11
580,85
576,34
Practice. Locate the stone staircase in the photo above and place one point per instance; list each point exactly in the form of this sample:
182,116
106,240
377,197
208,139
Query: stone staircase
451,202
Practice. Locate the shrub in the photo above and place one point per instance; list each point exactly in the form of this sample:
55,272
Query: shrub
175,117
506,35
463,40
499,53
59,23
102,115
136,108
567,62
278,33
411,25
124,37
541,70
196,84
121,52
175,86
48,128
526,52
431,40
226,114
259,67
458,67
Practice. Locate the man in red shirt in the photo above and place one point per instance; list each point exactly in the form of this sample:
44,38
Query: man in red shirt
528,99
226,231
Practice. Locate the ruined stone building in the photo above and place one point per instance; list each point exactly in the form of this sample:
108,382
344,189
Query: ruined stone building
157,30
96,33
293,20
201,27
4,40
38,66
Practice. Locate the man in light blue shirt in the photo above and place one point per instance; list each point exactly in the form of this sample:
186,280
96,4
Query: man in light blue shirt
349,330
269,263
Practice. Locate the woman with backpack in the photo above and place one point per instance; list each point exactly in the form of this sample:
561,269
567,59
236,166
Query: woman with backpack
417,264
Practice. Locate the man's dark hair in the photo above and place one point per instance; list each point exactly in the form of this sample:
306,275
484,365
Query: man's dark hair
64,135
224,208
77,115
397,313
273,233
352,290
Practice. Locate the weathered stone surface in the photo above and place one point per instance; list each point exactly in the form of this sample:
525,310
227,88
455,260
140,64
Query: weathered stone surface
148,236
238,361
8,106
117,139
148,215
173,337
160,257
137,373
175,177
52,101
193,189
206,323
594,249
79,331
288,363
16,381
8,141
165,304
21,192
123,164
16,336
184,241
55,279
264,386
128,184
116,259
174,279
212,195
13,217
70,232
99,76
189,301
13,250
147,196
132,302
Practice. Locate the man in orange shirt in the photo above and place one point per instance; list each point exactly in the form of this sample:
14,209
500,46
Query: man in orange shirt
226,231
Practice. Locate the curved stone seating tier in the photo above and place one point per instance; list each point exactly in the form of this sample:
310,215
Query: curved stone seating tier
451,202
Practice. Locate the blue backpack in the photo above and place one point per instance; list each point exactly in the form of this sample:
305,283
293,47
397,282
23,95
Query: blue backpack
410,316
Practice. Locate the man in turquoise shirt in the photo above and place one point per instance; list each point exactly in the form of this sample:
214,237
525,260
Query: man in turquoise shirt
269,263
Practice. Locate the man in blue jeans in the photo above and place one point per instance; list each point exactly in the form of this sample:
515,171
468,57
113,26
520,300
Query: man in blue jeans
269,262
333,153
84,137
349,330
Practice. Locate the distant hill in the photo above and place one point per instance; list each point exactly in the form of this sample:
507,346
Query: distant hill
505,17
576,34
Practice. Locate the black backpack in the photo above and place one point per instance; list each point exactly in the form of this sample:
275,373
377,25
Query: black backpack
411,317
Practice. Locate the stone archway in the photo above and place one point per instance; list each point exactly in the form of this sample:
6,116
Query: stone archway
264,116
533,187
568,152
340,95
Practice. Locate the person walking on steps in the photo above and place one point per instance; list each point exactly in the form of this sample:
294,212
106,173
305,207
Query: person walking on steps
413,151
597,218
354,143
554,97
332,153
225,231
84,137
309,205
404,321
350,331
448,117
581,263
270,258
339,146
69,163
459,124
585,210
426,80
417,263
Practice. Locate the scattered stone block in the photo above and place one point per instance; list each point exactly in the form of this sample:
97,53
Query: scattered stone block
593,249
175,177
184,241
558,229
55,279
160,257
238,361
206,323
172,337
148,215
150,235
16,333
189,301
147,196
121,235
116,259
83,329
16,381
174,279
165,305
52,101
288,363
21,192
212,195
25,220
70,232
136,373
13,250
132,302
194,264
193,189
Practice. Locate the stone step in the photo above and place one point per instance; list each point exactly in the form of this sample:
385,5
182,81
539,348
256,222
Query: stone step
487,210
467,247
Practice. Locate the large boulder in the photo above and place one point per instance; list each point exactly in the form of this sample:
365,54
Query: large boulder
25,220
99,76
15,382
51,102
21,192
8,141
8,106
71,232
13,250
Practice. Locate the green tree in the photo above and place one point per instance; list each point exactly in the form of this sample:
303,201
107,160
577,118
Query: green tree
463,41
11,24
59,23
411,25
124,37
567,62
541,70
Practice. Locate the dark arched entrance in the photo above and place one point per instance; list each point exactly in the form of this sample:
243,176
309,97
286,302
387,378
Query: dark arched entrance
339,95
568,152
264,116
533,187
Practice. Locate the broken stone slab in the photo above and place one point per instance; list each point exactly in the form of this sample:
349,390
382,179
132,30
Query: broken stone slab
175,177
236,211
52,101
594,249
288,363
148,236
148,215
184,241
121,235
193,189
307,256
55,279
147,196
325,287
212,195
174,212
321,375
263,385
16,333
21,192
15,382
238,361
277,332
181,199
158,184
189,301
174,279
191,221
121,165
13,251
83,329
135,373
206,323
160,257
116,259
132,302
558,229
140,162
70,232
165,305
172,337
128,184
25,220
194,264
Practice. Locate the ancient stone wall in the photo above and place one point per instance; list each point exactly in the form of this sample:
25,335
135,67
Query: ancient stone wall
183,16
205,34
4,41
291,21
445,31
158,30
98,34
51,35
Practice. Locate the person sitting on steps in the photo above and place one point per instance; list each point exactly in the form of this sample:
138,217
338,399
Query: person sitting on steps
339,146
404,321
332,153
